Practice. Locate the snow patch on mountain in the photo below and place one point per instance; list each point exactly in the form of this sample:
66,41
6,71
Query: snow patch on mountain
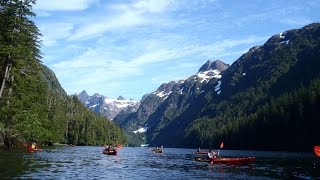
163,94
120,103
141,130
217,87
281,35
285,42
180,81
181,90
93,106
205,76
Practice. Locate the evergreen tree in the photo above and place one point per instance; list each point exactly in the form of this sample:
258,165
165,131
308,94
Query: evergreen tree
33,105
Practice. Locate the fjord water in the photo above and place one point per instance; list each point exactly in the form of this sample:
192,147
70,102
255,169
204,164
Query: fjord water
141,163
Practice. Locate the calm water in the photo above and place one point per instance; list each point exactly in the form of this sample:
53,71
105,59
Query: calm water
142,163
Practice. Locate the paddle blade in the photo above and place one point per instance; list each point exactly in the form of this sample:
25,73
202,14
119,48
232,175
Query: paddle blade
221,145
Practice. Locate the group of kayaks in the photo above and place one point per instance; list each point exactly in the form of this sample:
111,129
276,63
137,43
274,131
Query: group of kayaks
109,150
213,160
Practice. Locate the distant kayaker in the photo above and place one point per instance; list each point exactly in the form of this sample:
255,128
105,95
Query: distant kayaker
34,146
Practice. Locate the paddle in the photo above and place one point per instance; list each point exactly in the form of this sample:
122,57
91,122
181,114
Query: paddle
221,146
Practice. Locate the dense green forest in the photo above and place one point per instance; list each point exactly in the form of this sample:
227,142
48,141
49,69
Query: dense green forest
289,122
33,106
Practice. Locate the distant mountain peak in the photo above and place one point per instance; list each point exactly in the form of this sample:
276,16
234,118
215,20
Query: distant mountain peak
96,95
120,98
83,96
84,92
212,65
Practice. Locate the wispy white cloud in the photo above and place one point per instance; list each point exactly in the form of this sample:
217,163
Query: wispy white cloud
142,6
63,5
124,15
52,32
100,26
132,46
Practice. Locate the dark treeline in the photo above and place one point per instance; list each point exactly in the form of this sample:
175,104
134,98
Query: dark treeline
33,106
275,107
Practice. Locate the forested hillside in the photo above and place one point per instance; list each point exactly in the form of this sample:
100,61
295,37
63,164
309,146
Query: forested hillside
270,97
33,106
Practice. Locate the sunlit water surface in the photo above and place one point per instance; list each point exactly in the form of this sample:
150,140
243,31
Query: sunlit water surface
142,163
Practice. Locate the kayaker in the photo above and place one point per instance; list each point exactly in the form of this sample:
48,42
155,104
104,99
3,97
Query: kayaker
215,154
34,146
209,154
199,150
212,154
107,148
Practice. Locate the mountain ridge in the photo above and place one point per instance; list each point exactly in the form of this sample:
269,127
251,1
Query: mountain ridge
169,97
107,107
259,77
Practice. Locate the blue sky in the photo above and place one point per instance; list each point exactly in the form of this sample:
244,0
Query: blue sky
131,47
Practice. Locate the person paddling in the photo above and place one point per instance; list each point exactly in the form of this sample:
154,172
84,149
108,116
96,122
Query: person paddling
33,147
212,154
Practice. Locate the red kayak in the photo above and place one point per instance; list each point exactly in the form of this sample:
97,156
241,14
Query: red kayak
316,150
233,161
30,149
229,161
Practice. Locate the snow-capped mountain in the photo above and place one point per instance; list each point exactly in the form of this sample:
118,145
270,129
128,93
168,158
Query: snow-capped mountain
170,98
106,106
210,70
